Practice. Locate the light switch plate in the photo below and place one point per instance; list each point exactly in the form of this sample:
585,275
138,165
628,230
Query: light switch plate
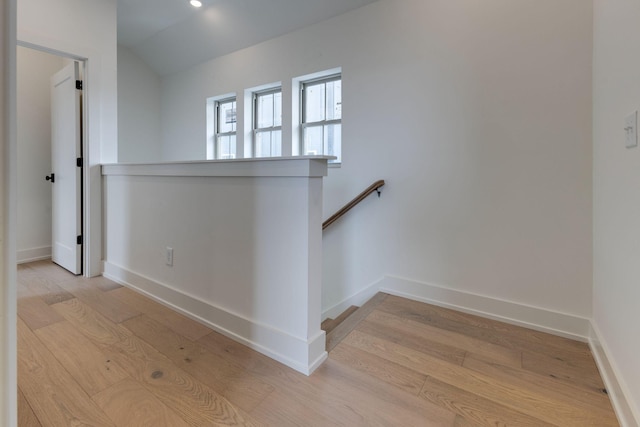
631,130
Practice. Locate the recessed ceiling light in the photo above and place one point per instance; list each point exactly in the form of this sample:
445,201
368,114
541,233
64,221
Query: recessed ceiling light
195,3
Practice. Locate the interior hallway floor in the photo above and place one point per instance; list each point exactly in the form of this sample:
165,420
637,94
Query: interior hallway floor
91,352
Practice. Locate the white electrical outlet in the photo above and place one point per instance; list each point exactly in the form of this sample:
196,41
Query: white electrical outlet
631,130
169,257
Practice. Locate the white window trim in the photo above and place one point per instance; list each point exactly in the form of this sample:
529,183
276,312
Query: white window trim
325,77
255,129
212,123
217,135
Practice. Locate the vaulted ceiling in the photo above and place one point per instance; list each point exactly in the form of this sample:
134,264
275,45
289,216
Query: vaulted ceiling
172,35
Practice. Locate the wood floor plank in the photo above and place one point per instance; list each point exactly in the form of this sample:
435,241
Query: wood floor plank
413,339
287,383
319,396
36,313
363,383
474,409
499,333
582,398
182,351
222,376
177,322
243,390
420,336
55,397
51,270
26,417
24,268
44,288
391,373
523,400
192,400
128,403
242,356
318,391
178,348
104,284
102,302
91,368
377,404
90,323
461,421
22,291
566,370
279,409
293,385
343,329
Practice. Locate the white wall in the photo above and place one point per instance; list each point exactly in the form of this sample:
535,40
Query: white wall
138,109
84,29
616,93
477,114
222,220
35,69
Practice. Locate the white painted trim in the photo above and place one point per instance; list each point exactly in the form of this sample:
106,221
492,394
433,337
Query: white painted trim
92,186
308,166
357,299
302,355
8,220
33,254
628,416
539,319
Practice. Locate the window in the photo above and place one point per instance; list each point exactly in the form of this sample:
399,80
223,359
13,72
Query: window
267,123
225,129
322,117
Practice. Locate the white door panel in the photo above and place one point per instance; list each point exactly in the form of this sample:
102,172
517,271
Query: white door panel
66,143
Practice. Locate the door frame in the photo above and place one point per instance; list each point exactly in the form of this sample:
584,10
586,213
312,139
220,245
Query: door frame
83,63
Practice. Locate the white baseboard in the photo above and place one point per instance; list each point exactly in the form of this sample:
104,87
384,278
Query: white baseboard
303,356
357,300
627,417
33,254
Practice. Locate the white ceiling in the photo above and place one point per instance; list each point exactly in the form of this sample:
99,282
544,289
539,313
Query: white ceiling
171,35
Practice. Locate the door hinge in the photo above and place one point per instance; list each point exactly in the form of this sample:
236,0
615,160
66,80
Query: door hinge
79,162
79,84
79,240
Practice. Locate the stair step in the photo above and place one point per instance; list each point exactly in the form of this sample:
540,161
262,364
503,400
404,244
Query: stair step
343,329
330,324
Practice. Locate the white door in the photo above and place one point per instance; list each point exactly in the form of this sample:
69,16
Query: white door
66,173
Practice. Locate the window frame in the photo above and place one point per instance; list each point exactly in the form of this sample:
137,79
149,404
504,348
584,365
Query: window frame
255,129
304,124
217,121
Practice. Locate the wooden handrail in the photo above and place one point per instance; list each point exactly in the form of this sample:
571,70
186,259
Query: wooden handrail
360,197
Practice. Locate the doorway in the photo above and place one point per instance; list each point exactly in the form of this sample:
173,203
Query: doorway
34,152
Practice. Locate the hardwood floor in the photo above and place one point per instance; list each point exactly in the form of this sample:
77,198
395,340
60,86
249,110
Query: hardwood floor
93,353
